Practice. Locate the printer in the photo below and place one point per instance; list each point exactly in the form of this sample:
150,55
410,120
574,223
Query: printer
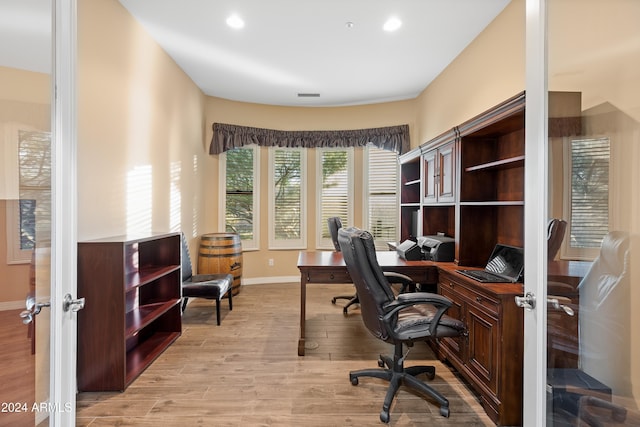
437,248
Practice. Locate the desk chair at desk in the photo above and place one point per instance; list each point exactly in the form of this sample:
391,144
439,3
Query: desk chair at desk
400,320
335,224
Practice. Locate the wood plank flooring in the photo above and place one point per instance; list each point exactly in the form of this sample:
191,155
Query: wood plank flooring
17,370
246,372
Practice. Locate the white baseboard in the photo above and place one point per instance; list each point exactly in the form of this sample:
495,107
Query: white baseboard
271,279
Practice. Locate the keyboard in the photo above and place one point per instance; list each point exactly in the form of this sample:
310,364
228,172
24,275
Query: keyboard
484,276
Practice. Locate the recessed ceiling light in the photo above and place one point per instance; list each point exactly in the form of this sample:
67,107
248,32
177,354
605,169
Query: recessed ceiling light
392,24
349,24
234,21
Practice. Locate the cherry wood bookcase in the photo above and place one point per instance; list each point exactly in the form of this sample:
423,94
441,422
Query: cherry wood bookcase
132,288
468,183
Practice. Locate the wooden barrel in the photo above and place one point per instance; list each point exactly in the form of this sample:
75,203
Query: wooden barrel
221,253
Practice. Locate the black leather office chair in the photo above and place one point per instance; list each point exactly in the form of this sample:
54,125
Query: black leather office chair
335,224
409,317
555,234
209,286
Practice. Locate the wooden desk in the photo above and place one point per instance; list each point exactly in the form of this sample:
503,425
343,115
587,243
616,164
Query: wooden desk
329,267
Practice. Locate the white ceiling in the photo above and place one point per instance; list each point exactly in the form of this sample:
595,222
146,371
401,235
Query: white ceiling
304,46
287,47
25,35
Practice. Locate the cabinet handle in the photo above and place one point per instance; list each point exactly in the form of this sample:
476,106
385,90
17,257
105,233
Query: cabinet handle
479,299
331,276
450,284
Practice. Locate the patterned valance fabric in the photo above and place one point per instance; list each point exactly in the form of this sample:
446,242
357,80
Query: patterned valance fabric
227,137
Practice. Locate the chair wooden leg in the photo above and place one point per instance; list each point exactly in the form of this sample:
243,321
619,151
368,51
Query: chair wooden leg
218,310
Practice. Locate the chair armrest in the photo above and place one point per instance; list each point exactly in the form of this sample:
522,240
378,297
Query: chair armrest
405,281
423,298
403,301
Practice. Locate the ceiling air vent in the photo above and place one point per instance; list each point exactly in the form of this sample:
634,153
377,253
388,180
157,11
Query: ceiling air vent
308,95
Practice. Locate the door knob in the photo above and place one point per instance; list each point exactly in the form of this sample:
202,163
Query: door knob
74,305
33,308
554,302
528,301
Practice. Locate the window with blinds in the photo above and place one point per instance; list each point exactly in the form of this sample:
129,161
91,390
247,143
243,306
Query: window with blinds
589,194
28,221
287,169
334,190
241,198
34,165
381,183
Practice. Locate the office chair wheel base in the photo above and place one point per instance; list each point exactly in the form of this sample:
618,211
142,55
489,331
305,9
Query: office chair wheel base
345,311
381,363
354,380
333,301
384,417
444,411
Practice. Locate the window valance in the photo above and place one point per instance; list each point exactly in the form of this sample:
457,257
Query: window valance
226,137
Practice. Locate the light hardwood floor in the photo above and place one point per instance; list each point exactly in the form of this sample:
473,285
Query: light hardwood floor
246,372
17,371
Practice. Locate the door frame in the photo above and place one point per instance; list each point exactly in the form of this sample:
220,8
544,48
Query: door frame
62,388
535,213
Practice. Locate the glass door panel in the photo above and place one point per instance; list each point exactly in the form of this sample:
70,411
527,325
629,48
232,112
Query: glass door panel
593,342
25,211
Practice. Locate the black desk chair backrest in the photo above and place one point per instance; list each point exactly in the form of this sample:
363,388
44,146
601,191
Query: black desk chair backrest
372,286
334,223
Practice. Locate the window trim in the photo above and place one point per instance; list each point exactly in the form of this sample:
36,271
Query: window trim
290,244
247,245
322,243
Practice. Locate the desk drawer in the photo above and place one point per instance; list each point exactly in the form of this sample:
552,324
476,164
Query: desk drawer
492,305
337,276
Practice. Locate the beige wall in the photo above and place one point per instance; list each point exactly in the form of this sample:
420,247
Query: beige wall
24,99
490,70
140,131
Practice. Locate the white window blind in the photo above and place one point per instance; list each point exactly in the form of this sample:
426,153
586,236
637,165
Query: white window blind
334,190
241,198
34,151
287,198
382,195
589,219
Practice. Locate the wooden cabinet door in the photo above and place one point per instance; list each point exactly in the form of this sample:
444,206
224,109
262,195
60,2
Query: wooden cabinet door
439,174
430,175
483,346
446,173
455,346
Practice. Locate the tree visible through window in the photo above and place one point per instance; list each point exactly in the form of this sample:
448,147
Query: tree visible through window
287,171
589,192
335,188
239,201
